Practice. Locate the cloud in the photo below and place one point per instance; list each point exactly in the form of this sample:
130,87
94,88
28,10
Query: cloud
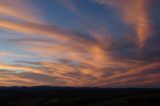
10,79
80,57
44,30
20,10
133,76
2,53
15,68
97,64
134,13
71,6
69,41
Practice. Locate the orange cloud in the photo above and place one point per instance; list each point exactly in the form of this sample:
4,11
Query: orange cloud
20,10
72,46
133,74
135,13
42,30
17,68
10,80
3,53
72,58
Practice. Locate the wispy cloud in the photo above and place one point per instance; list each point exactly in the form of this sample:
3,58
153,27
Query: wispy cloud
19,10
90,55
2,53
134,13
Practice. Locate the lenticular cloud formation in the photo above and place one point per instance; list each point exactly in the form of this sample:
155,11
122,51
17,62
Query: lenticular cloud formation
104,43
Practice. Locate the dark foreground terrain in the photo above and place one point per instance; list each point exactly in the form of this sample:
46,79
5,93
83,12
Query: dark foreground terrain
63,96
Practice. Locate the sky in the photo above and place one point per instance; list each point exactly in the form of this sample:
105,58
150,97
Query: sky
80,43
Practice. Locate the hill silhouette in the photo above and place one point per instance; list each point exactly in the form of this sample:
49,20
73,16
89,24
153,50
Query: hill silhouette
74,96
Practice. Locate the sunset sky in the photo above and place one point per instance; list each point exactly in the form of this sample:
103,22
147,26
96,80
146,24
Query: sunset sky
91,43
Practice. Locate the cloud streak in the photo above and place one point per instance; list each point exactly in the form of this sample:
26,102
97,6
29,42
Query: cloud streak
17,10
134,13
44,53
